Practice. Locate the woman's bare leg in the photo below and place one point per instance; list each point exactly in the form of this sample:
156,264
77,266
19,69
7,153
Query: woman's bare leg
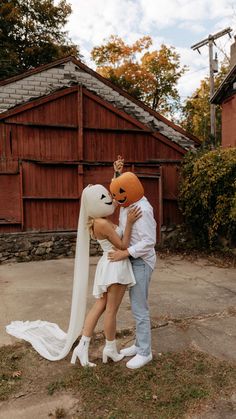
93,315
114,295
81,350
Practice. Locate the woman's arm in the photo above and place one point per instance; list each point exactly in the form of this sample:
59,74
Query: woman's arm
133,215
103,229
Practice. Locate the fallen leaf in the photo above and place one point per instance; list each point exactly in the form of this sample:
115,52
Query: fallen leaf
16,374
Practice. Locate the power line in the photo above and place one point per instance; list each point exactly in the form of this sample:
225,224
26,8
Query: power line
195,71
221,48
212,67
212,38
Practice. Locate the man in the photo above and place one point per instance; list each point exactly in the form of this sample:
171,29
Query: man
142,255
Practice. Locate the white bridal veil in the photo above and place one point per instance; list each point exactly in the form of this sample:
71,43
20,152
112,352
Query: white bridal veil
47,338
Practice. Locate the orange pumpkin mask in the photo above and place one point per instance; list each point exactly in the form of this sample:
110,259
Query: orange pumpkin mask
126,189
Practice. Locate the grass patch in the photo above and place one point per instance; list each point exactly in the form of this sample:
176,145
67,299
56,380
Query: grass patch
10,370
166,388
55,386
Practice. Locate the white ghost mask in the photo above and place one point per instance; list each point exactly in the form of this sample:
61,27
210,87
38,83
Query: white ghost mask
97,201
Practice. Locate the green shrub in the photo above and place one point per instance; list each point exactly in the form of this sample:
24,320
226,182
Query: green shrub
207,195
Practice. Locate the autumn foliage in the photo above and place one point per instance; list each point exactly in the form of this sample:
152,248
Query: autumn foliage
208,196
196,110
148,75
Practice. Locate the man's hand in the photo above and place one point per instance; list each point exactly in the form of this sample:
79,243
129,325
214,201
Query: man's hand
116,255
118,165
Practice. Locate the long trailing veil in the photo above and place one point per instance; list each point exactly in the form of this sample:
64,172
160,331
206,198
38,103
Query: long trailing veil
47,338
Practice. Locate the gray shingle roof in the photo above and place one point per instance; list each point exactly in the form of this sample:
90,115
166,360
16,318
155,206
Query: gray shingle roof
31,85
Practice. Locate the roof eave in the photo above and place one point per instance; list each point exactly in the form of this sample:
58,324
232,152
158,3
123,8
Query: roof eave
87,69
220,93
37,70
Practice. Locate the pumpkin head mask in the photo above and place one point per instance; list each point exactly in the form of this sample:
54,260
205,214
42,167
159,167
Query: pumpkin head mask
126,189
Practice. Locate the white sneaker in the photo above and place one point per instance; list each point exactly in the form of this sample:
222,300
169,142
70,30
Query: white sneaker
130,351
138,361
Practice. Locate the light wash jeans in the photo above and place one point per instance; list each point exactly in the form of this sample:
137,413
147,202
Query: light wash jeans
139,305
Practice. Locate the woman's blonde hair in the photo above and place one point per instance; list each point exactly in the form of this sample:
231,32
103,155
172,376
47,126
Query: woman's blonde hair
90,225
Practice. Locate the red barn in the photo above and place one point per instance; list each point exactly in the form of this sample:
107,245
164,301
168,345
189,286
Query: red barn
61,127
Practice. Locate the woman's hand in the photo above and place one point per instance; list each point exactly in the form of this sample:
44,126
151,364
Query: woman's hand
134,214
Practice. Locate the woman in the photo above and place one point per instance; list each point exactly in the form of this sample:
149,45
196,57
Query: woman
110,283
47,338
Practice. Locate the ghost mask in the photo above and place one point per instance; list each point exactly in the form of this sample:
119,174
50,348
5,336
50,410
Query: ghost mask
97,201
126,189
47,338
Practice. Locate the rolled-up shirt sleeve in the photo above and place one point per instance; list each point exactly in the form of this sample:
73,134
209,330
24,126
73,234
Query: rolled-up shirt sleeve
145,230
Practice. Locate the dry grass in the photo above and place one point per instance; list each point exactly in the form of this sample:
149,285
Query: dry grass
169,387
218,258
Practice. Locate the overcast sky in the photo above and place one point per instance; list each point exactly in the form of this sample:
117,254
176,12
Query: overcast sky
178,23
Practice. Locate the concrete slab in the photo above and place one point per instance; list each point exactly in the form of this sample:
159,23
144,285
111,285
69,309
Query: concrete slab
215,336
181,288
28,408
196,291
221,409
42,290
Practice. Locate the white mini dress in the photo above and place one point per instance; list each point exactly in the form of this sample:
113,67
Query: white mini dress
108,273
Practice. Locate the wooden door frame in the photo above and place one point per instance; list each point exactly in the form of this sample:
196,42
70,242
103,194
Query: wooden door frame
160,191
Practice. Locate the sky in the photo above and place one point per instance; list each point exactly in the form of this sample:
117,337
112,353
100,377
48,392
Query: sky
177,23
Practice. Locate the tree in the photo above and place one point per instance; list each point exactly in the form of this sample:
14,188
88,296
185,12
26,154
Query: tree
150,76
196,110
207,195
31,33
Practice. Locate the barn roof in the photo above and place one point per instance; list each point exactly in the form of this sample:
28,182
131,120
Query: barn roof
69,71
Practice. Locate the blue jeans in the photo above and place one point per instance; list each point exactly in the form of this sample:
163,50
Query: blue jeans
139,305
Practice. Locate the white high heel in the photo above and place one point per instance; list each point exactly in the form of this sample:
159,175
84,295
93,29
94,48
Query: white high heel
110,351
74,356
81,352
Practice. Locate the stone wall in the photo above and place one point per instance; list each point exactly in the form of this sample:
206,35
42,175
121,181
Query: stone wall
24,247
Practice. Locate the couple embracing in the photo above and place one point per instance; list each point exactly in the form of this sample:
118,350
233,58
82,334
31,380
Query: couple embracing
129,265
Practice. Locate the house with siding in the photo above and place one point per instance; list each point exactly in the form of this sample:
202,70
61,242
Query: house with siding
225,96
61,127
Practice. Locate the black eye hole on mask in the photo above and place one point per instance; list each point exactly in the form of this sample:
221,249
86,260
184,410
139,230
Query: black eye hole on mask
103,196
121,190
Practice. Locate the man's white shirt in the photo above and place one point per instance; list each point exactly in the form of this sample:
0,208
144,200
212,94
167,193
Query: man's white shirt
143,235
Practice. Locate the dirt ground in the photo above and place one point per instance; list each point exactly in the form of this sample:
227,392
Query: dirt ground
179,385
193,375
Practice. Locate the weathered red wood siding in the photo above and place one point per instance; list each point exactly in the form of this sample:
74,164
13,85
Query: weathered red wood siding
229,122
53,147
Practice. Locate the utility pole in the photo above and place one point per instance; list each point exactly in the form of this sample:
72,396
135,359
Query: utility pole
213,68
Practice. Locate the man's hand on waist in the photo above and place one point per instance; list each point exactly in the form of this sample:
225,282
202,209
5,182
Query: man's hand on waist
116,255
